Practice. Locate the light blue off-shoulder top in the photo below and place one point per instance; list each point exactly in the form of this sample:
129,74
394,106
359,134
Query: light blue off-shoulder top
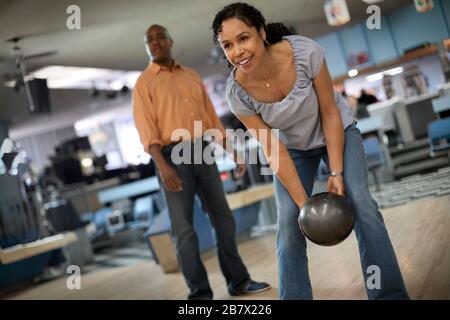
297,115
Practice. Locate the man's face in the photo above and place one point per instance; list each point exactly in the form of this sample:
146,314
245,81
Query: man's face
159,43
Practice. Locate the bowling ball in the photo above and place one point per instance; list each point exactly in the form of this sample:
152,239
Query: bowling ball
326,219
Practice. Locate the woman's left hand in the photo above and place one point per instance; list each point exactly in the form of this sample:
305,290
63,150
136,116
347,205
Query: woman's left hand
336,185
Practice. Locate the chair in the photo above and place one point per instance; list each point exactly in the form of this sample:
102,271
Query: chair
439,135
374,157
441,106
143,213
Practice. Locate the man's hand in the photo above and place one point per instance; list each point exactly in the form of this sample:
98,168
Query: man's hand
240,170
170,179
336,185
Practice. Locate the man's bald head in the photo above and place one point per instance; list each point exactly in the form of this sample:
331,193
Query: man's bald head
159,28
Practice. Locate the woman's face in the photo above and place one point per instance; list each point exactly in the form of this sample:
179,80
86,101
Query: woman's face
243,45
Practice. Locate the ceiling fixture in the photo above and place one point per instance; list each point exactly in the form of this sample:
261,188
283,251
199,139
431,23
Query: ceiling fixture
375,77
423,5
21,78
64,77
394,71
372,1
380,75
336,12
352,73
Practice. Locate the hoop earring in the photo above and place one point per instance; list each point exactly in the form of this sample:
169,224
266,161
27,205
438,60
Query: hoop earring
266,42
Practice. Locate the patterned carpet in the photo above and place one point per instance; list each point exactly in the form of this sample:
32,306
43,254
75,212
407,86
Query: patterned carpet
412,188
405,190
114,257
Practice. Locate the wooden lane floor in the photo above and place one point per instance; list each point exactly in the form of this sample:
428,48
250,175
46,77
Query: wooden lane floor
419,232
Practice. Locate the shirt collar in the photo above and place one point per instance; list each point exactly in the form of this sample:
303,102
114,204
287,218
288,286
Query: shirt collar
156,68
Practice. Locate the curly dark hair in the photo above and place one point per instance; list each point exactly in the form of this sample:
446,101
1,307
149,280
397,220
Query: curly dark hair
251,17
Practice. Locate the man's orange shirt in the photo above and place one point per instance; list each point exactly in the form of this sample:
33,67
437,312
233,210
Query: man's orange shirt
165,100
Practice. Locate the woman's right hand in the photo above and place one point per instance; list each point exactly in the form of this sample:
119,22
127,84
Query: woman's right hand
278,157
170,179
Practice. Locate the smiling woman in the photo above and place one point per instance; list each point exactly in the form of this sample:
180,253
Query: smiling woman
281,81
271,33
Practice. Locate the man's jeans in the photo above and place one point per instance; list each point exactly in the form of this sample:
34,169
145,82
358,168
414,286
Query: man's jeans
203,179
375,247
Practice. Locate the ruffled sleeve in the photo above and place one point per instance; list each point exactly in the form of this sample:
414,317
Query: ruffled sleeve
309,55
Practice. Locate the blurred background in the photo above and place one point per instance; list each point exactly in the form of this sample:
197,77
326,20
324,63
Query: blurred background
76,187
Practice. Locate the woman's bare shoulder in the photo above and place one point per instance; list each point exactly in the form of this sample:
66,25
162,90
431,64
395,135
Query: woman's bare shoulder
283,49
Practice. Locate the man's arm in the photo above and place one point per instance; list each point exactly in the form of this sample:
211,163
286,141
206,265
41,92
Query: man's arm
144,118
150,136
168,174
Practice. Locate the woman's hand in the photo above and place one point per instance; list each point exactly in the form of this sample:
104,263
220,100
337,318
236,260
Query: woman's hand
336,185
278,157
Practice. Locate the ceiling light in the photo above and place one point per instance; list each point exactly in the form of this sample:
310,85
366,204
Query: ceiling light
375,77
380,75
63,77
116,85
87,162
372,1
394,71
352,73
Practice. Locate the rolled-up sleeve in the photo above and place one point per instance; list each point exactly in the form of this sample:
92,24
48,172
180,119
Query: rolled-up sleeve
144,118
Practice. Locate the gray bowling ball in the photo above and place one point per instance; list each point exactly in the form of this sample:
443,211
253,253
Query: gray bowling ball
326,219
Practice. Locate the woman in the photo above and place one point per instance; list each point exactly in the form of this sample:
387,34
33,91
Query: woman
281,81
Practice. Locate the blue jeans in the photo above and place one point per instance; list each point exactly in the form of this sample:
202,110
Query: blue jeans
375,247
204,180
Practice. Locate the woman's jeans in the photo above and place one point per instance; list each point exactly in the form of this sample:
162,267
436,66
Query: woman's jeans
375,248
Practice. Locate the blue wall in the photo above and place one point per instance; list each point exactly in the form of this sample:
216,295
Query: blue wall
381,43
333,54
401,29
411,28
353,40
445,6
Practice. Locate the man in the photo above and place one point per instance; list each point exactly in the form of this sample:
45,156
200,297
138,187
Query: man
167,97
364,100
